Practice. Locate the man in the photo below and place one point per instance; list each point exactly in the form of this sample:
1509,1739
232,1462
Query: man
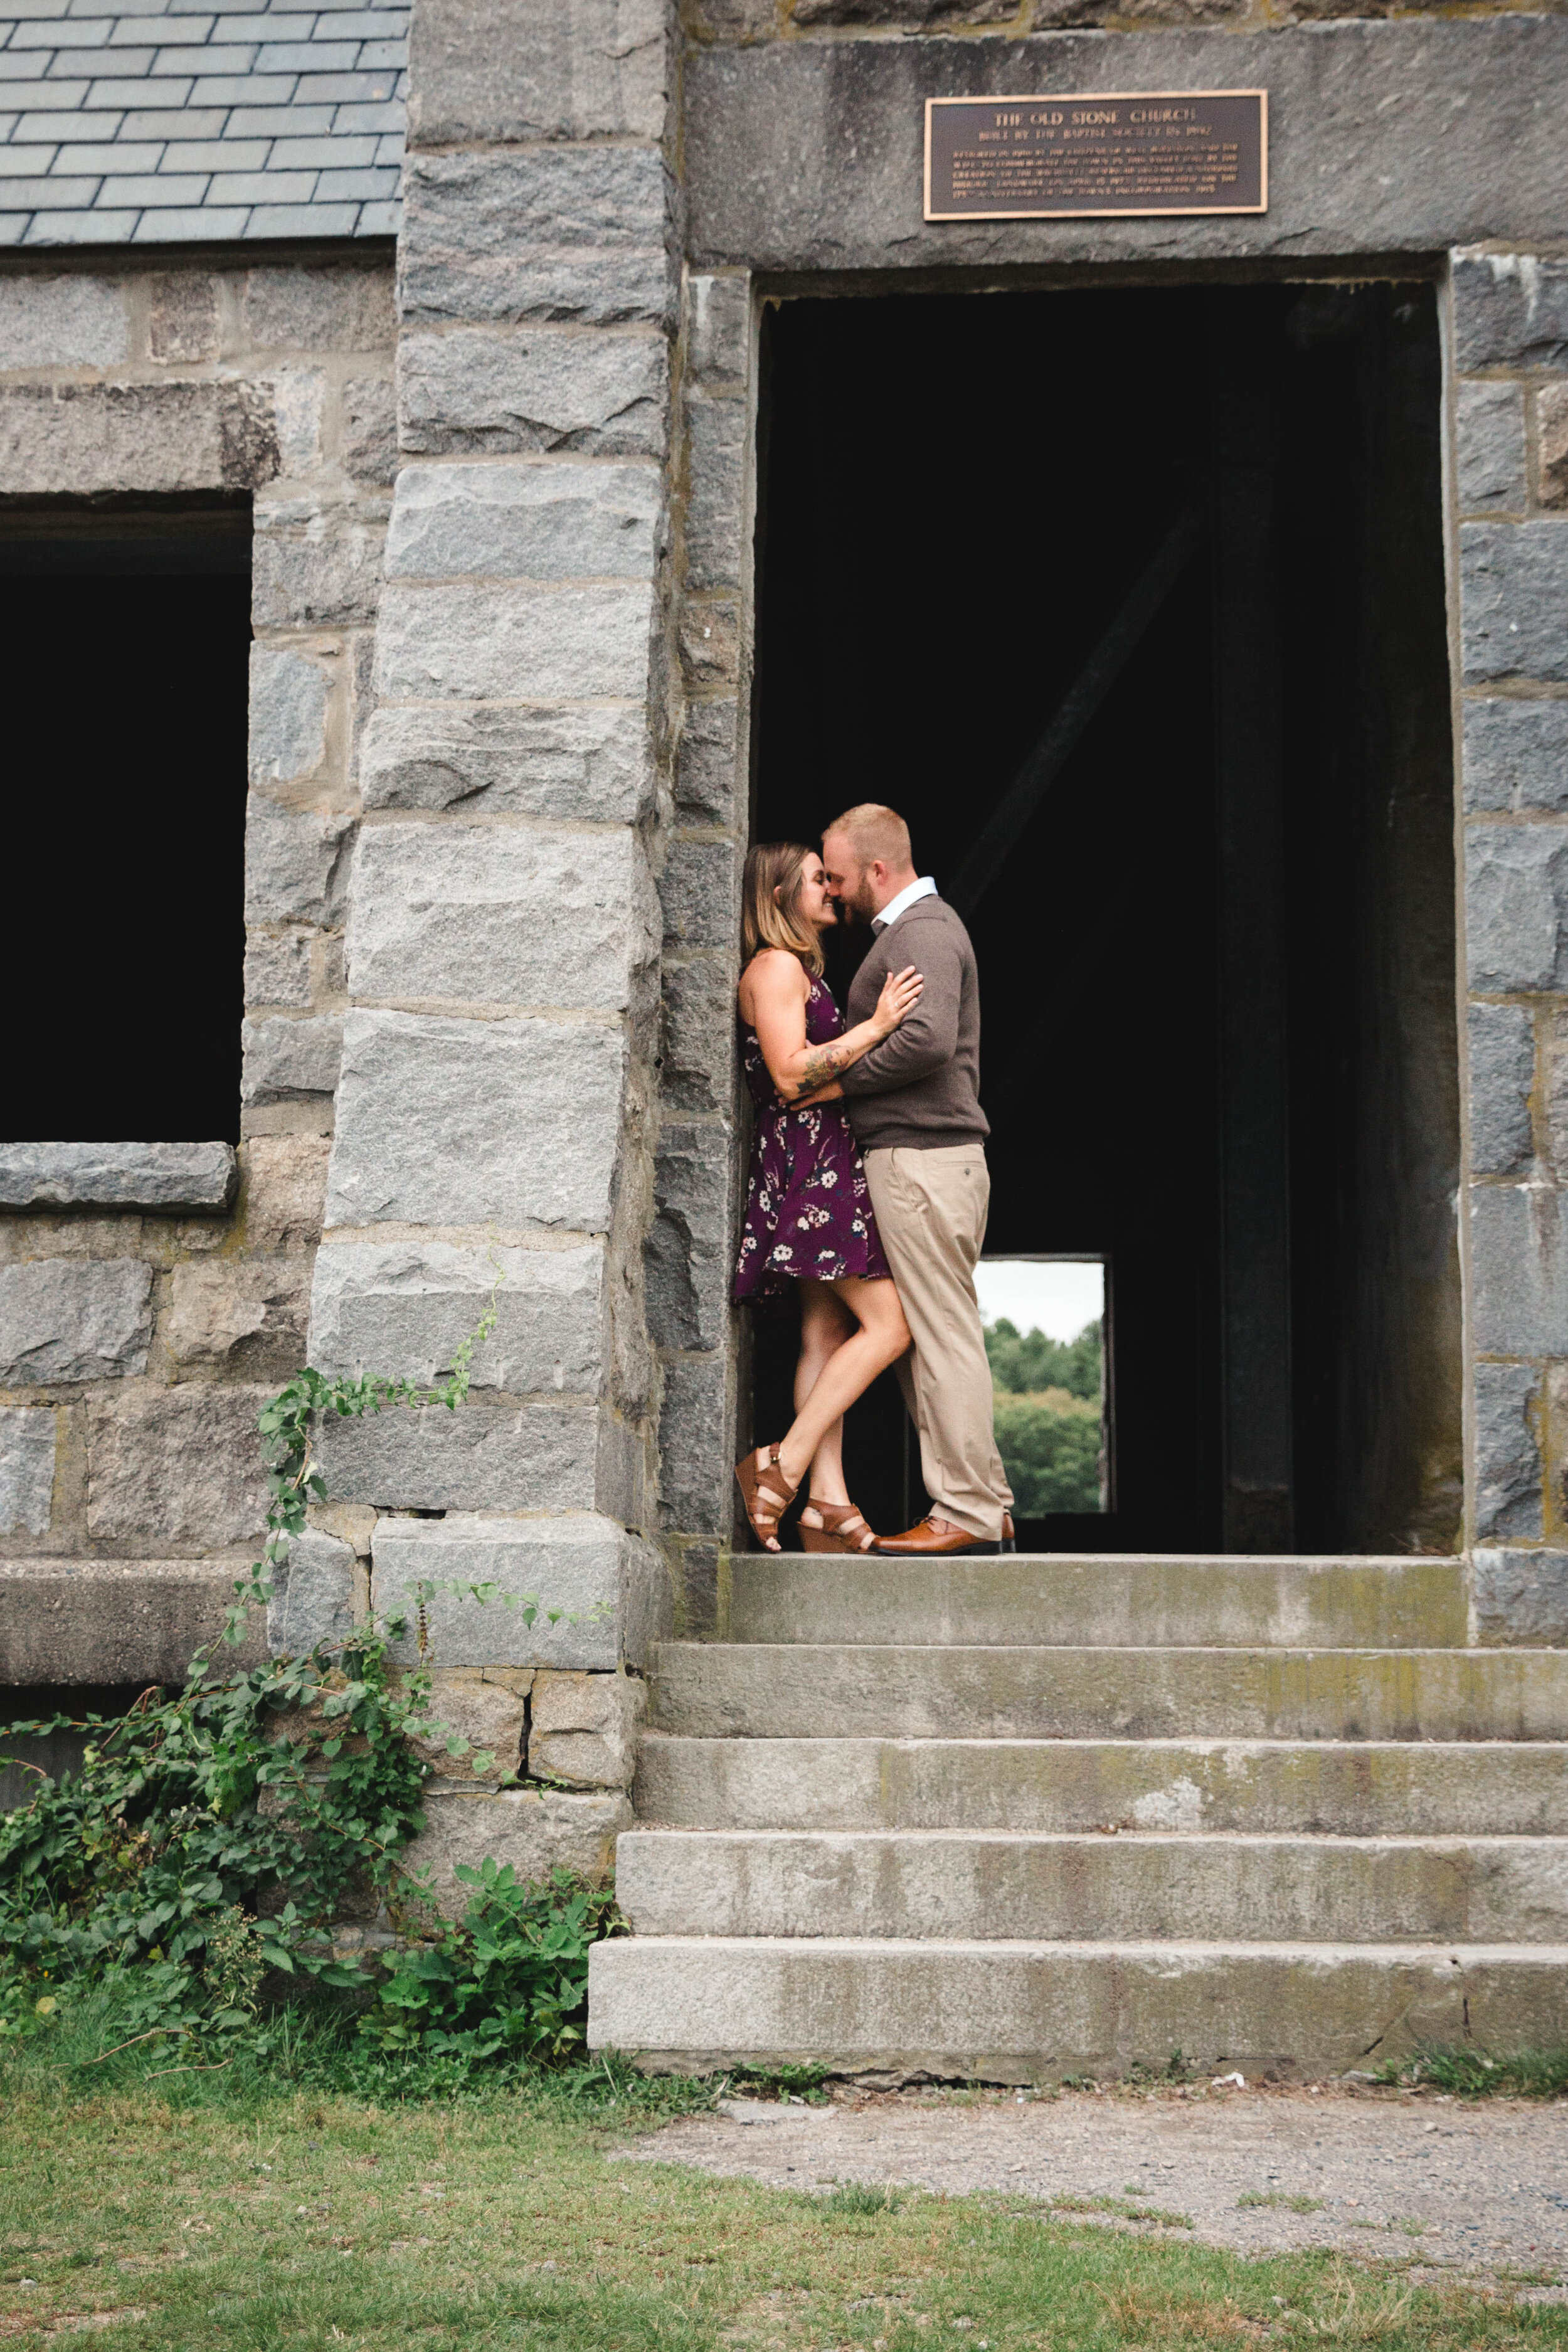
914,1103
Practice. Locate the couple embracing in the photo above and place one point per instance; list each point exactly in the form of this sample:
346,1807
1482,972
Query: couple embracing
867,1189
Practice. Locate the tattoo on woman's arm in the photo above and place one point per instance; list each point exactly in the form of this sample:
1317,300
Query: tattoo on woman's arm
820,1069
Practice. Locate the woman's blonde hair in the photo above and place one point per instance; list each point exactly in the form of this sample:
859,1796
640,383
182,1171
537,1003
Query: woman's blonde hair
770,903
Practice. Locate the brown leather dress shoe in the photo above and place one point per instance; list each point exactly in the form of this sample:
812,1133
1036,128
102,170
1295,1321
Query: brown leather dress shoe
933,1539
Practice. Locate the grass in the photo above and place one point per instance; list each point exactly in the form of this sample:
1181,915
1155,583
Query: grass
1278,2197
1471,2073
241,2209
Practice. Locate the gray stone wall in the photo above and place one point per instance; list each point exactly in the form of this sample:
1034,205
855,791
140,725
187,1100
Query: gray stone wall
1510,470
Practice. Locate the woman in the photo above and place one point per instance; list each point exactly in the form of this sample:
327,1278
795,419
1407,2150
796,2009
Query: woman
808,1209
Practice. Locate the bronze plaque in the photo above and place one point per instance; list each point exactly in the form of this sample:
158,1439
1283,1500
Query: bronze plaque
1139,152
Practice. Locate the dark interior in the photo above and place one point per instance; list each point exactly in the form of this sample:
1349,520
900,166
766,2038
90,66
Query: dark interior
127,635
1217,960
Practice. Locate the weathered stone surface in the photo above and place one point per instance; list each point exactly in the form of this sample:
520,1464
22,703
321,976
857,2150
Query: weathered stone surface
1520,1260
689,1255
539,233
500,71
85,437
611,1582
544,521
718,327
285,1059
312,1595
488,1714
583,1727
116,1175
114,1621
1521,1596
1516,885
535,1831
27,1469
74,1319
484,1457
1510,309
1555,1057
1516,755
296,863
1508,1451
541,389
700,1570
1513,591
68,321
716,455
1502,1074
305,575
698,1071
570,763
287,716
228,1313
483,916
298,397
1489,436
180,1465
696,1452
510,643
700,890
402,1308
285,1189
711,642
455,1122
370,430
705,765
278,971
1551,444
334,308
182,316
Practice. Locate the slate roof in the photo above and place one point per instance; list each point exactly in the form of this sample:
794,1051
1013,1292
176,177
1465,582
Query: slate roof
175,120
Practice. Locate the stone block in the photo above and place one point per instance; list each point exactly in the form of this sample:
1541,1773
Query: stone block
609,1585
27,1469
481,644
1555,1058
705,763
400,1308
298,397
74,1319
482,916
541,389
1521,1597
1514,589
718,327
504,70
1510,309
369,431
1489,438
312,1602
716,463
113,1623
582,1729
231,1314
483,1457
1516,882
287,716
711,643
593,763
1508,1451
700,892
456,1122
688,1253
278,971
697,1067
1551,444
117,1175
286,1060
575,233
180,1465
695,1444
1520,1269
1502,1075
491,1716
336,307
522,521
81,438
285,1191
307,576
182,316
296,863
57,322
536,1831
1516,755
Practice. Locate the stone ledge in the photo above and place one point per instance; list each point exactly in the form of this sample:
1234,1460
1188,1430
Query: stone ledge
103,1621
169,1176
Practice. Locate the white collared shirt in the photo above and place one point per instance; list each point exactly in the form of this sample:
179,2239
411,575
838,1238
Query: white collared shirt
924,888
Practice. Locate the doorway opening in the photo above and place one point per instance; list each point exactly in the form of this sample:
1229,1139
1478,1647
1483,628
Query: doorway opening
1132,604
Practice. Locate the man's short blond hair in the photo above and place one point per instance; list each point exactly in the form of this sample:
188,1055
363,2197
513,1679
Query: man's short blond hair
874,830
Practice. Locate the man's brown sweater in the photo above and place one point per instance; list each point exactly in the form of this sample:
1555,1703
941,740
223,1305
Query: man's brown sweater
918,1090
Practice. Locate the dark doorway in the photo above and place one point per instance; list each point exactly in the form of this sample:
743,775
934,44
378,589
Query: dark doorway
129,637
1216,955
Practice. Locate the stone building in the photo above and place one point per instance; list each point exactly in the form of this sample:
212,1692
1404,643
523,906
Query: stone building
620,462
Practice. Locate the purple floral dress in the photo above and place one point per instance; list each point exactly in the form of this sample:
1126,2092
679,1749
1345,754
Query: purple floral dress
808,1206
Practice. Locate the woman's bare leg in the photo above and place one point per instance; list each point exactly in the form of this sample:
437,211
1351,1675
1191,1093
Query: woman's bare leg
881,1338
825,1324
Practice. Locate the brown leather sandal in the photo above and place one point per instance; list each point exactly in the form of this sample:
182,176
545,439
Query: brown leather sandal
765,1504
843,1529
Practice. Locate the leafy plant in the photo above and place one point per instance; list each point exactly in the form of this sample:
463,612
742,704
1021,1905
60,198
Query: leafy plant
1470,2071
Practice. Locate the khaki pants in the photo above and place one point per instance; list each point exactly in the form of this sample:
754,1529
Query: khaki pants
931,1212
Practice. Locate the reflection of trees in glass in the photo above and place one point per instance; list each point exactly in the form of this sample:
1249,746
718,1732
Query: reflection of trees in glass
1047,1417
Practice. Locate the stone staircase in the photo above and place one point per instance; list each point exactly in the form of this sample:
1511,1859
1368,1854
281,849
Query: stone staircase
1011,1817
